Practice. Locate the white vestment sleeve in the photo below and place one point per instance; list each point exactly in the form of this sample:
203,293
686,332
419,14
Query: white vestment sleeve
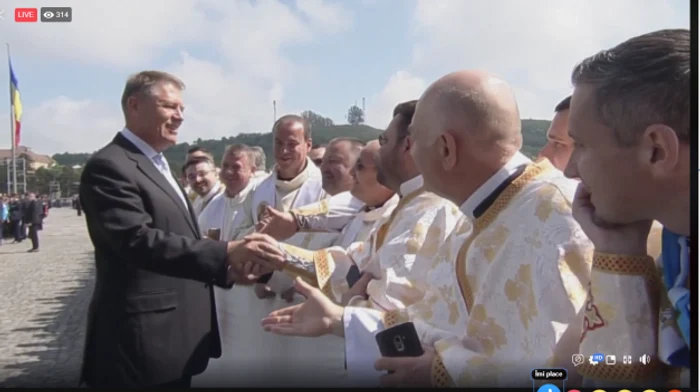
361,350
330,215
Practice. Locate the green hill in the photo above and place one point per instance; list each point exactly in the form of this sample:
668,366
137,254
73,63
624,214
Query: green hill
534,137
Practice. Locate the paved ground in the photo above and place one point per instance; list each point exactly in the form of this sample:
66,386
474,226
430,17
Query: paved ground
43,304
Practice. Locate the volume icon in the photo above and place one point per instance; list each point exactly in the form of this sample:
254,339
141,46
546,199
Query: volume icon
645,359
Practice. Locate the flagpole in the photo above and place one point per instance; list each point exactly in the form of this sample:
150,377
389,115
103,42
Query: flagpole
12,126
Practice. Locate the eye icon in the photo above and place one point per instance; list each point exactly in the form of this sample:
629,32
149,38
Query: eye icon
48,14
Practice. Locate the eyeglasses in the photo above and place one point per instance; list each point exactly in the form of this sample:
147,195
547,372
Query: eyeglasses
194,176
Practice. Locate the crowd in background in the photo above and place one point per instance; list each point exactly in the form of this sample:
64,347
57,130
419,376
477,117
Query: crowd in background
22,217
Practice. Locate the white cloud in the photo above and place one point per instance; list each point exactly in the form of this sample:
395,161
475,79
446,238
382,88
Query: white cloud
331,17
402,86
223,98
222,103
533,44
60,124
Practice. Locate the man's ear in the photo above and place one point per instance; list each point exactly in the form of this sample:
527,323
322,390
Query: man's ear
660,149
448,150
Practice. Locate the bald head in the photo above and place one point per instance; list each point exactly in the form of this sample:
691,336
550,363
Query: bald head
338,162
479,106
371,148
366,187
466,127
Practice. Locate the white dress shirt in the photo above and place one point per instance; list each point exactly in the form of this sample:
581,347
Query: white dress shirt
158,161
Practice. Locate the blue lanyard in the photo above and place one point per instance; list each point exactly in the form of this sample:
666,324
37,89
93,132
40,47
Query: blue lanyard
676,268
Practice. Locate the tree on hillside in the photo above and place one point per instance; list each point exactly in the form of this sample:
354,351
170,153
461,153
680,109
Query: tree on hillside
316,120
66,177
71,159
355,115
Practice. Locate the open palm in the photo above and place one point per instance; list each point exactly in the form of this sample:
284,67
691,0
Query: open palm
314,317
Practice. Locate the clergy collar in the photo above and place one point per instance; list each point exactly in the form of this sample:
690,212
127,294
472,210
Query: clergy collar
144,147
493,183
241,194
392,200
376,213
411,186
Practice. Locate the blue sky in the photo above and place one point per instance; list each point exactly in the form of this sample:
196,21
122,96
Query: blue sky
322,55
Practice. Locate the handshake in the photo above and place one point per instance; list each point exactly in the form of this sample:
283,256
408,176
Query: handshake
253,256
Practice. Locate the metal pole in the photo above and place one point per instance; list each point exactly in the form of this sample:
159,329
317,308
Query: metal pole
12,126
24,175
274,111
364,114
7,168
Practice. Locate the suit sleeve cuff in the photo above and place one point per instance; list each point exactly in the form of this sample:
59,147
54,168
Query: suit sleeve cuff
221,270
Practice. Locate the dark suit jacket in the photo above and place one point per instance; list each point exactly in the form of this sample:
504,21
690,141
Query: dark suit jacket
24,204
16,212
152,318
34,213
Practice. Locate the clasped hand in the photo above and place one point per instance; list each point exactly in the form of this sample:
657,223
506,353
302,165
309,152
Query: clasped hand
255,255
278,225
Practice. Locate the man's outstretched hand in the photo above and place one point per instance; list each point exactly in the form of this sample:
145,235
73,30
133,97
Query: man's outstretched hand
278,225
317,316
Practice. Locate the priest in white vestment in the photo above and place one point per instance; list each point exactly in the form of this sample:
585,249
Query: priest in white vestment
195,152
337,180
400,246
261,359
202,177
504,290
223,213
376,201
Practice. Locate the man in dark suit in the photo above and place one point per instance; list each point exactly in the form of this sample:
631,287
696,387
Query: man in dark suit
152,321
16,214
34,219
24,203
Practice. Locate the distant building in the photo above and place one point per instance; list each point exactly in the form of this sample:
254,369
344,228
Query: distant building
34,160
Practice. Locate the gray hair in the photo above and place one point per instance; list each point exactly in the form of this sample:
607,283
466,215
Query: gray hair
239,150
260,159
144,82
642,81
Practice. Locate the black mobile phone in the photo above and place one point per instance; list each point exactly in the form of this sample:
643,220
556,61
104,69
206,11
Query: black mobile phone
353,276
400,341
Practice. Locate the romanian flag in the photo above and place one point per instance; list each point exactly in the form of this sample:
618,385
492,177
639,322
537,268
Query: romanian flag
16,104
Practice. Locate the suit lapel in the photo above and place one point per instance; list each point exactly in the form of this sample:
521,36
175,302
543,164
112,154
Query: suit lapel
147,167
198,232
